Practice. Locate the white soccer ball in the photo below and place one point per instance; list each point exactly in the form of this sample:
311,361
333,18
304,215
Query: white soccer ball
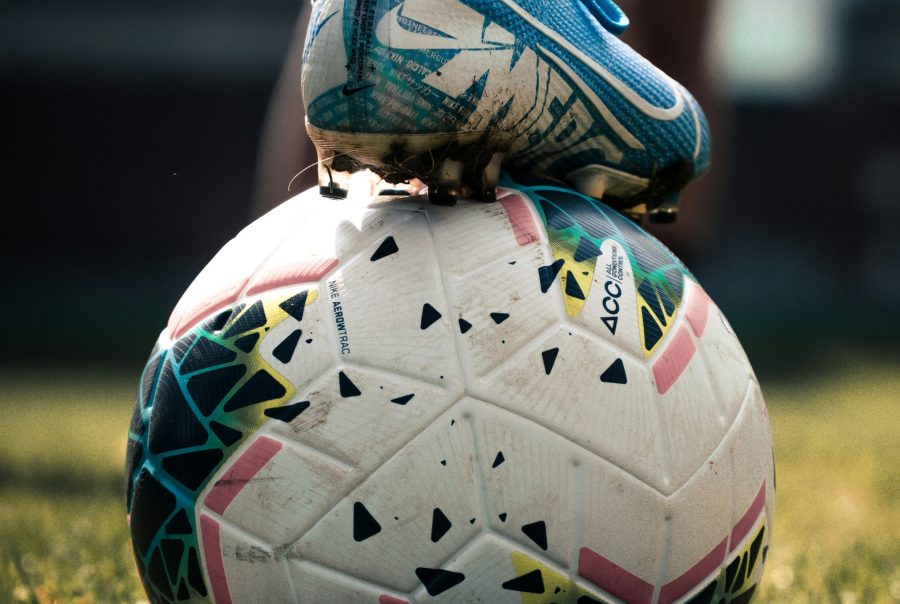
388,402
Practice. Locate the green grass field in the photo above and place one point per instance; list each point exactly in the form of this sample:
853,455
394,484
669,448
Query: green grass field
837,528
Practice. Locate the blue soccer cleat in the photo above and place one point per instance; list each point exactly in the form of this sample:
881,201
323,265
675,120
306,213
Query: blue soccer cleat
448,90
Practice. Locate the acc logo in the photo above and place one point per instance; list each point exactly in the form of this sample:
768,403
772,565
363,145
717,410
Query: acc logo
611,305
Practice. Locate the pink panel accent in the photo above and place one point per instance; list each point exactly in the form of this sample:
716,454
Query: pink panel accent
612,578
386,599
212,554
292,274
520,216
189,311
240,473
674,359
676,588
746,522
697,311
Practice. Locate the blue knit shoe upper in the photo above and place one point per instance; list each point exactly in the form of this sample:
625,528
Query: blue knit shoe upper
551,80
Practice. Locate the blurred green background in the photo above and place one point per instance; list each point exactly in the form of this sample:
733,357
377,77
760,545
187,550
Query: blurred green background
130,132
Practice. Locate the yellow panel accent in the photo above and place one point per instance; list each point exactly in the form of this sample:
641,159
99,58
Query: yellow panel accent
568,592
670,321
255,414
582,271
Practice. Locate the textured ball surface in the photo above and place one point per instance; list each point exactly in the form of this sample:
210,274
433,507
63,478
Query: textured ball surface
388,402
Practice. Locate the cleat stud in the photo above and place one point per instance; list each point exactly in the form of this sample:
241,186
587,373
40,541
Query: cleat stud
662,216
332,183
488,195
445,188
665,212
394,193
441,196
636,212
449,173
333,192
592,181
490,176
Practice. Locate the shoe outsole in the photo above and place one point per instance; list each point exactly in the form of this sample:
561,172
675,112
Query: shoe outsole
463,164
451,164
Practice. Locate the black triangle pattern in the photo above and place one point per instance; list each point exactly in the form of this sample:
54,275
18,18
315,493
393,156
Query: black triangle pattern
440,524
348,388
402,400
537,532
615,373
430,316
387,248
364,524
531,583
549,357
437,581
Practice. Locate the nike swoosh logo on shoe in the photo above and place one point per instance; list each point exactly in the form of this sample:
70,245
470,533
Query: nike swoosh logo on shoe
350,91
404,27
649,109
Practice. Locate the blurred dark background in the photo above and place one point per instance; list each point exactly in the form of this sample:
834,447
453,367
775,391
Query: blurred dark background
130,133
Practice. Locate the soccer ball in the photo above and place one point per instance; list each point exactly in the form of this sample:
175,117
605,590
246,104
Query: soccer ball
386,401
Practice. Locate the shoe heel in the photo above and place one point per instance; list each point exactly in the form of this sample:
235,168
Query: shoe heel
332,182
444,188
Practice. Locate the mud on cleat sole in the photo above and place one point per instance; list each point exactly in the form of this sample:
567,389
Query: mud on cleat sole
468,164
451,164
